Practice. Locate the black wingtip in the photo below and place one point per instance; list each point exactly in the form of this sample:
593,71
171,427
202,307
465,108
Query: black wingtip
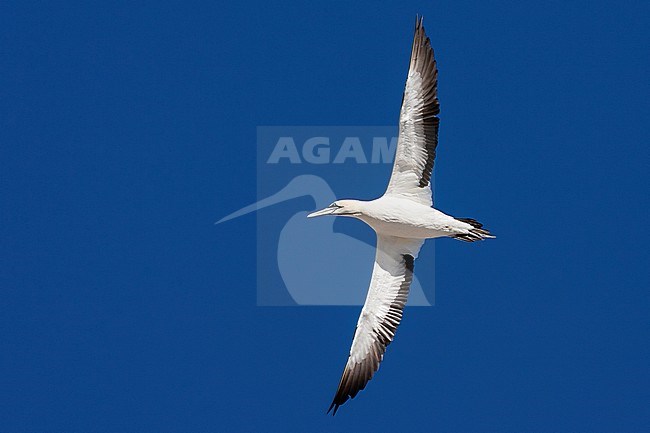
335,406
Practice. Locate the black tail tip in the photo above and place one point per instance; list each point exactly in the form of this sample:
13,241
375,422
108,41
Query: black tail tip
471,222
476,233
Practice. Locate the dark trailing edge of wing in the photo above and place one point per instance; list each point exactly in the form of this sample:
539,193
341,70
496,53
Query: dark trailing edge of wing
355,378
424,62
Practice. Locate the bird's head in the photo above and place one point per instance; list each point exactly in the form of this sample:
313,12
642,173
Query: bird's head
340,207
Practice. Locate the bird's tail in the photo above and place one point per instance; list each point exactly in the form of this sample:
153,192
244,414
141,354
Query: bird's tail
476,233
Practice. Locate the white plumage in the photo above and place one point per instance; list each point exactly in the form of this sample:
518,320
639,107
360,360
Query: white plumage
402,218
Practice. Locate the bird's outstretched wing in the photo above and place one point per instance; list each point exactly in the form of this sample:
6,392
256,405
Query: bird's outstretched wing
381,314
418,124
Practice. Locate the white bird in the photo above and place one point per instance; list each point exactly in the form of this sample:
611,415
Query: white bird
402,218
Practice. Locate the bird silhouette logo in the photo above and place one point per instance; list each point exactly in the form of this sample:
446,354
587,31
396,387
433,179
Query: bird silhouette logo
309,252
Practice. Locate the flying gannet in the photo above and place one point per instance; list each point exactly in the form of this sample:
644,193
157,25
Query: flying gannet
402,218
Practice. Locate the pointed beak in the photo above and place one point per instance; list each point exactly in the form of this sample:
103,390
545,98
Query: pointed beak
327,211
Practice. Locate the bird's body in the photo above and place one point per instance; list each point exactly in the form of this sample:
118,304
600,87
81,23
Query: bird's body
405,218
402,218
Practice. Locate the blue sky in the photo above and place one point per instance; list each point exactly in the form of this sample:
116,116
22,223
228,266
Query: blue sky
128,129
